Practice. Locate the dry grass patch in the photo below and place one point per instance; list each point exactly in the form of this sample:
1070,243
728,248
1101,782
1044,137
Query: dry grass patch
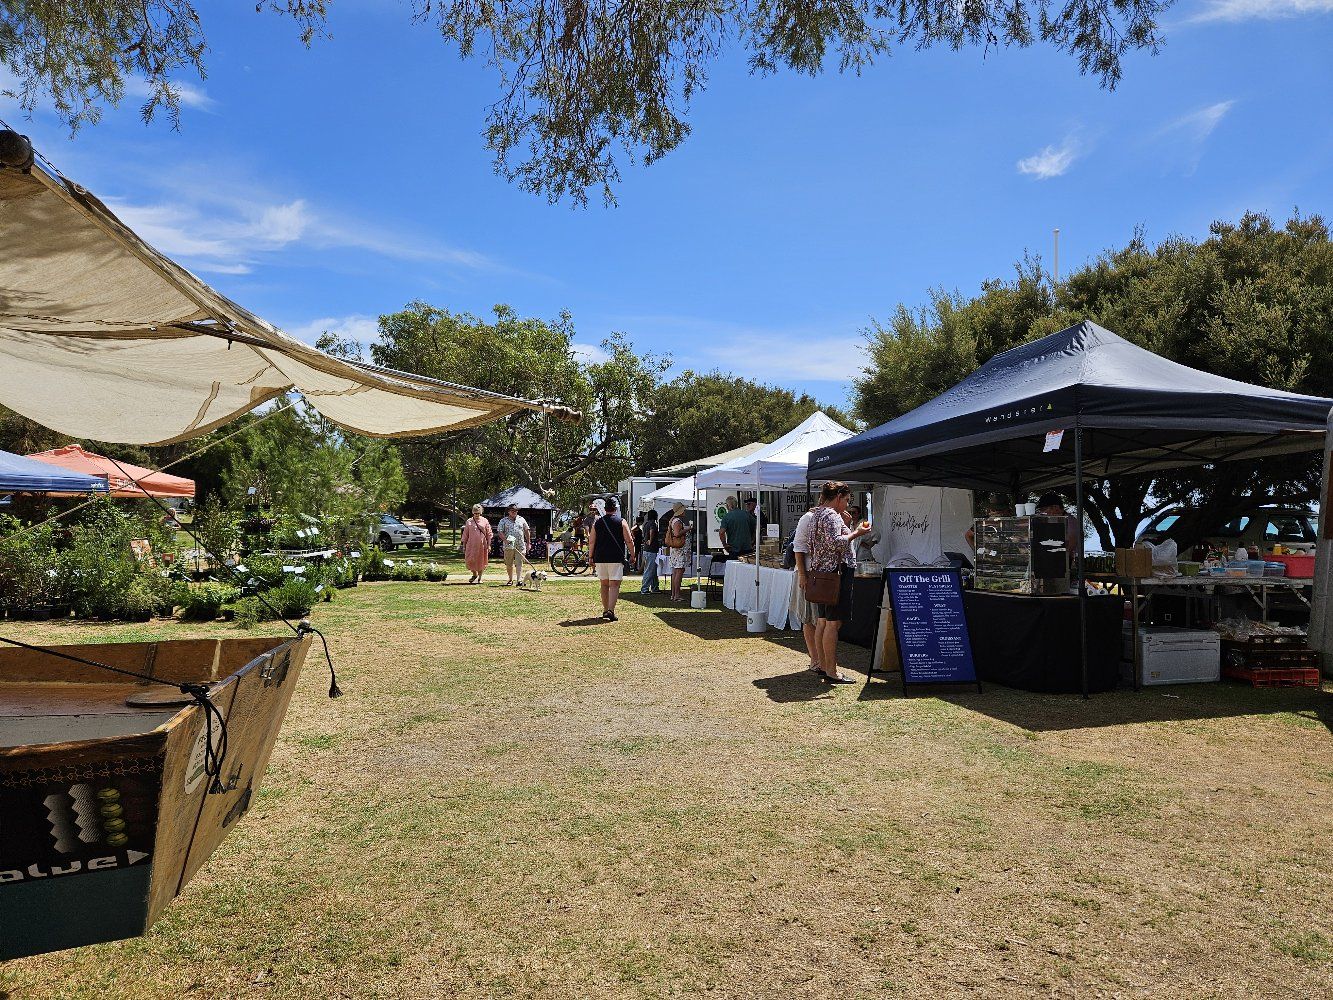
508,803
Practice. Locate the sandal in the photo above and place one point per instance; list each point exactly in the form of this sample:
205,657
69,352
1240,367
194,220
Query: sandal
839,678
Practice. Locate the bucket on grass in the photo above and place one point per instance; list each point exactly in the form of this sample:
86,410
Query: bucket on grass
756,621
698,599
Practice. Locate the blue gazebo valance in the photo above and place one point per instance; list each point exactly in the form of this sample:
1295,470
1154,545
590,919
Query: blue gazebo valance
26,475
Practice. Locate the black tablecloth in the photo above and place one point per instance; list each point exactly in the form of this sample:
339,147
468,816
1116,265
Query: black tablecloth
867,592
1031,643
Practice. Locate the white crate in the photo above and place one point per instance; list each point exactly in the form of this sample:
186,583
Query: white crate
1176,655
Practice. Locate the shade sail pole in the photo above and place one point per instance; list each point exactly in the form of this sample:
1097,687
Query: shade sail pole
1082,587
758,516
698,551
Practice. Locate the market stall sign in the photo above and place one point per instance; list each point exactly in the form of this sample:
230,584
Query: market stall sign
931,629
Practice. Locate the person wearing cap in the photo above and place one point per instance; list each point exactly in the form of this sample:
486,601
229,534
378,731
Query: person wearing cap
676,539
513,528
612,548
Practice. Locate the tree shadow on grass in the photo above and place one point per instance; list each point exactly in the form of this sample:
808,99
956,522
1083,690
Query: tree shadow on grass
1039,712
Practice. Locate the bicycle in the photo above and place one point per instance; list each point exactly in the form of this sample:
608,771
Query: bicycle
571,561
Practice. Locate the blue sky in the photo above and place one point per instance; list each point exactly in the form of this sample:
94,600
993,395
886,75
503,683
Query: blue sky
323,187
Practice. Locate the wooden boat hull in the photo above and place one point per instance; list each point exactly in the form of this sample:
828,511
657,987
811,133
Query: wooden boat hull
104,807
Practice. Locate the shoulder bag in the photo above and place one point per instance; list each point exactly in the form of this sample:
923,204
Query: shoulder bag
822,587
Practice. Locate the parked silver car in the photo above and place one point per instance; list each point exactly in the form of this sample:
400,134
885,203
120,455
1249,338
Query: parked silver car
389,533
1295,528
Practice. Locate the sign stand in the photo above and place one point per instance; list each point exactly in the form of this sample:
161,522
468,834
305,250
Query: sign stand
926,606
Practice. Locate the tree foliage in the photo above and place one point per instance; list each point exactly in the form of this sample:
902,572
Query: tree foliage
300,464
84,54
1253,301
533,359
584,84
695,415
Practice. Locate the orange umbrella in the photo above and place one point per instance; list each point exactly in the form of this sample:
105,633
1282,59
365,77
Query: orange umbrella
120,477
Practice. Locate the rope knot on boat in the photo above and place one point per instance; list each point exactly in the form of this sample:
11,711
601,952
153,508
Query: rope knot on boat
213,753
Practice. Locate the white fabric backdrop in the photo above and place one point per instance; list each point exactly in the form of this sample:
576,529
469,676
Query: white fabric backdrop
923,522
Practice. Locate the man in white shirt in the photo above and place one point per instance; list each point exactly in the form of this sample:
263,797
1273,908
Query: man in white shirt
803,609
517,536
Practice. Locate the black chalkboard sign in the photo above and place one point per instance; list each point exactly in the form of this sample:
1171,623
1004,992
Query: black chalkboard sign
929,624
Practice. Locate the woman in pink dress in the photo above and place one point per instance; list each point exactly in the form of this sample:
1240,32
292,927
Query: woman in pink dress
477,533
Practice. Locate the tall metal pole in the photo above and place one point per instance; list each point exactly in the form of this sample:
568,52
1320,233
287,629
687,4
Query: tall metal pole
758,516
1321,613
1082,585
1057,256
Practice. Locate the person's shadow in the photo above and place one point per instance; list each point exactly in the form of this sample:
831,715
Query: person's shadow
802,685
575,622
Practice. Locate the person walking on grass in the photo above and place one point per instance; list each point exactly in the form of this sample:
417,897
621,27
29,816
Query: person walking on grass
676,538
612,548
831,552
477,535
517,537
432,529
652,544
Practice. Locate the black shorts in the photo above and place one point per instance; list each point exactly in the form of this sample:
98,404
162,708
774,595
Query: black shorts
842,611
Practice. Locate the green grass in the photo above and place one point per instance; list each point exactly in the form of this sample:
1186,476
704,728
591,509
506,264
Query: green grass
506,804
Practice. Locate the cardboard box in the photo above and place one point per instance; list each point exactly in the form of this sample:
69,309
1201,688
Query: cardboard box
1133,563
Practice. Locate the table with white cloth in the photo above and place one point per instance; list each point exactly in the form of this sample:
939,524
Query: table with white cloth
776,588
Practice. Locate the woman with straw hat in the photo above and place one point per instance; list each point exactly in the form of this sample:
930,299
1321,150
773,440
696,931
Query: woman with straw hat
676,539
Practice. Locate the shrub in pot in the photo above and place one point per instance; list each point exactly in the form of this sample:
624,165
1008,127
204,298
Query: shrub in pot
293,599
204,602
139,602
402,571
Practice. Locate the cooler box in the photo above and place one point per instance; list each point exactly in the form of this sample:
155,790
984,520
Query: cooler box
1175,655
1300,567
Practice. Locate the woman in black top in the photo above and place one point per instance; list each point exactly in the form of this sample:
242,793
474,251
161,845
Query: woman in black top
612,547
637,534
652,544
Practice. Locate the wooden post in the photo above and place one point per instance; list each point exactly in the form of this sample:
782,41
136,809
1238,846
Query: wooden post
1321,615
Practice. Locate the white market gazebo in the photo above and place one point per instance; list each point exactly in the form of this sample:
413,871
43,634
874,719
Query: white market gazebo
782,465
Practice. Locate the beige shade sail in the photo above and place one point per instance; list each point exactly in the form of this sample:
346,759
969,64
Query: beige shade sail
103,337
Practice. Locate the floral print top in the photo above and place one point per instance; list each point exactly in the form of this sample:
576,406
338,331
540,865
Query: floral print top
830,542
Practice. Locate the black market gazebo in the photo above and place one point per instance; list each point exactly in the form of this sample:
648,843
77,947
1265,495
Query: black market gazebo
1127,410
535,508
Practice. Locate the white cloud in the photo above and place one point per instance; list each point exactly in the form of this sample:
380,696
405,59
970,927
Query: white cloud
223,244
780,357
1184,138
1199,125
218,227
189,95
357,326
1233,11
1051,161
588,354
